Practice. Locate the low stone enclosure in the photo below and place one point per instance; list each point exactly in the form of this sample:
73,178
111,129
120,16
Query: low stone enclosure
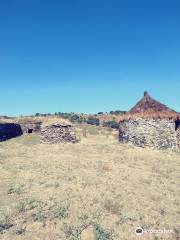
178,137
29,125
155,133
50,130
58,133
9,130
150,124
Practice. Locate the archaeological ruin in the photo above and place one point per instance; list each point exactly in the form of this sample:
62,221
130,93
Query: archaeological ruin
51,130
9,130
29,125
58,133
150,124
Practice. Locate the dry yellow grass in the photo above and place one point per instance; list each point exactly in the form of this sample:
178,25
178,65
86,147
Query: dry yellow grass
45,120
97,189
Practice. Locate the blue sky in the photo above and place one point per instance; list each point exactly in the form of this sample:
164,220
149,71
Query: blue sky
87,55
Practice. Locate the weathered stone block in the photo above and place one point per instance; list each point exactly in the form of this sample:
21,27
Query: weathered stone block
9,130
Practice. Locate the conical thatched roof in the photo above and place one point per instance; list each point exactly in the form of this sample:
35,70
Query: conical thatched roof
148,107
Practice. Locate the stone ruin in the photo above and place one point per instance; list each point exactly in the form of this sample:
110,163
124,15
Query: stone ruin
58,133
51,130
29,125
177,128
9,130
16,127
155,133
152,124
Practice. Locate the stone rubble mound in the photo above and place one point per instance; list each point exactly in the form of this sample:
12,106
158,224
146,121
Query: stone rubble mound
58,133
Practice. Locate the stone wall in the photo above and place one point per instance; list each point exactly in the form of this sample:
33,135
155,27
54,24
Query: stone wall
178,137
34,126
9,130
155,133
29,124
58,133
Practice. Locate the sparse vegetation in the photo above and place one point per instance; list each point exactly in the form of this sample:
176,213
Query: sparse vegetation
111,124
57,191
102,234
15,189
117,112
93,121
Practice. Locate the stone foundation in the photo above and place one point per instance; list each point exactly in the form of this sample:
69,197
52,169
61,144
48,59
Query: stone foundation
9,130
28,126
155,133
58,133
178,137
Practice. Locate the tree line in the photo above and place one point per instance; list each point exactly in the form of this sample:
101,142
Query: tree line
82,118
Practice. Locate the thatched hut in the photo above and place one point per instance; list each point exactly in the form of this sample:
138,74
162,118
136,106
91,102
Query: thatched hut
151,123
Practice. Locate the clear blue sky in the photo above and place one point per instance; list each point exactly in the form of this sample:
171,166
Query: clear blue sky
87,55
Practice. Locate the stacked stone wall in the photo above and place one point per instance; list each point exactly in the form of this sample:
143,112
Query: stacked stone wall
58,133
178,137
155,133
35,126
9,130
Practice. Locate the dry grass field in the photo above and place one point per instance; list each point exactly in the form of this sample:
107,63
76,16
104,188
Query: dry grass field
97,189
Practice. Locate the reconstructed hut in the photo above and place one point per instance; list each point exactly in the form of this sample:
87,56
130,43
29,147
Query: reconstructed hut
58,133
9,130
150,123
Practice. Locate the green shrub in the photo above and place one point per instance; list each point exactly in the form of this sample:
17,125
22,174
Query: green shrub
74,118
117,112
93,121
102,234
111,124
